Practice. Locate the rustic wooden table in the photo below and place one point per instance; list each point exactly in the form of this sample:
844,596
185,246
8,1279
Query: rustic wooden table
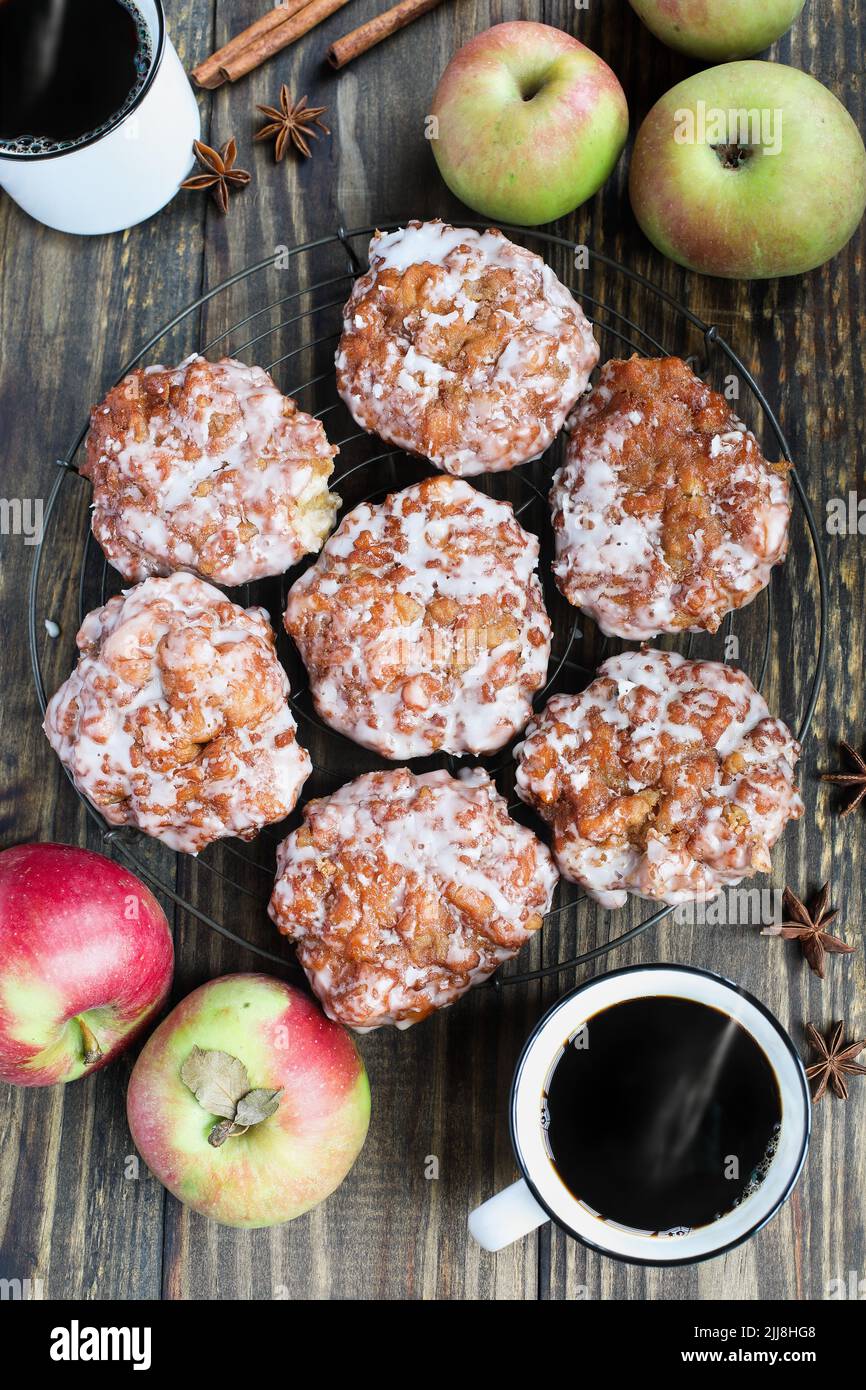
73,1213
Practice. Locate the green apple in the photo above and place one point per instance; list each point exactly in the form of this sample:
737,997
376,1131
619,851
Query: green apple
248,1103
528,123
717,30
749,170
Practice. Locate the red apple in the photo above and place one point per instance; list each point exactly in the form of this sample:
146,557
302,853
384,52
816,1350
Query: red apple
248,1103
528,123
85,961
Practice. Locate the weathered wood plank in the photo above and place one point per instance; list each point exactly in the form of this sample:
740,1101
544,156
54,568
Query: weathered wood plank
73,310
68,1213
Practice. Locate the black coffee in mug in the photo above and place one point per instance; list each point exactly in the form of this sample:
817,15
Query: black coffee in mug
67,69
661,1114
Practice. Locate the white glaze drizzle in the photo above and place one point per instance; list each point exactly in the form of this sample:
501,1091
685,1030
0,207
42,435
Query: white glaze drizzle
431,836
175,719
516,396
388,682
634,693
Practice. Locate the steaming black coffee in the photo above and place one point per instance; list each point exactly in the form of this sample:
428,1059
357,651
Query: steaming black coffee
661,1114
67,69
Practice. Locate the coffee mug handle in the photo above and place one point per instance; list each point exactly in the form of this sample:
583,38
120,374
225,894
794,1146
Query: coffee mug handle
507,1217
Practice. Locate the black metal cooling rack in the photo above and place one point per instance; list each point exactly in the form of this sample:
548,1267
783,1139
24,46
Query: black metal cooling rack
284,313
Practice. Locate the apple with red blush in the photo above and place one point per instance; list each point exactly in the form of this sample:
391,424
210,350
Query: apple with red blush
748,170
718,30
247,1103
527,123
86,962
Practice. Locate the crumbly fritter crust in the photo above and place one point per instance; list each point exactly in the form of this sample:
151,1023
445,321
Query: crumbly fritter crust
666,514
666,778
422,623
402,891
207,467
462,347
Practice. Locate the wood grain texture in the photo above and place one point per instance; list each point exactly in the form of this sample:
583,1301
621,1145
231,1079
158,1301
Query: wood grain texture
73,1214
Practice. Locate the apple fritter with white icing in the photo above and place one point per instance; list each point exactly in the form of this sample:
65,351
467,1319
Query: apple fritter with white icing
666,514
176,720
463,348
207,467
422,623
666,778
402,891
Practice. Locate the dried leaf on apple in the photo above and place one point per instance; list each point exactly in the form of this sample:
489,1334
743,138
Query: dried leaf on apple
216,1079
256,1106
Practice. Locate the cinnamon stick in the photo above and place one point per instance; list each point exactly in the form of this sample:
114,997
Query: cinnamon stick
209,74
279,37
368,35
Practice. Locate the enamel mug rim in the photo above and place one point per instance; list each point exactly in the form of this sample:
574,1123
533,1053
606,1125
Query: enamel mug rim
24,157
546,1187
126,172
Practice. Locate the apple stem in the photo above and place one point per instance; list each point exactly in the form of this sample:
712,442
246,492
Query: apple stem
223,1130
733,156
219,1134
92,1050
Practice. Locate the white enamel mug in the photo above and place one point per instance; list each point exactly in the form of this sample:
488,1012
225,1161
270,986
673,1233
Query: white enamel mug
540,1195
128,171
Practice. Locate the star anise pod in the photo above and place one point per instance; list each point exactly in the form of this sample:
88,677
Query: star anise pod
220,174
291,121
850,779
837,1061
810,929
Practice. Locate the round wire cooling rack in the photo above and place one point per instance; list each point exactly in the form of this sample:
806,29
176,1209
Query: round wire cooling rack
284,313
